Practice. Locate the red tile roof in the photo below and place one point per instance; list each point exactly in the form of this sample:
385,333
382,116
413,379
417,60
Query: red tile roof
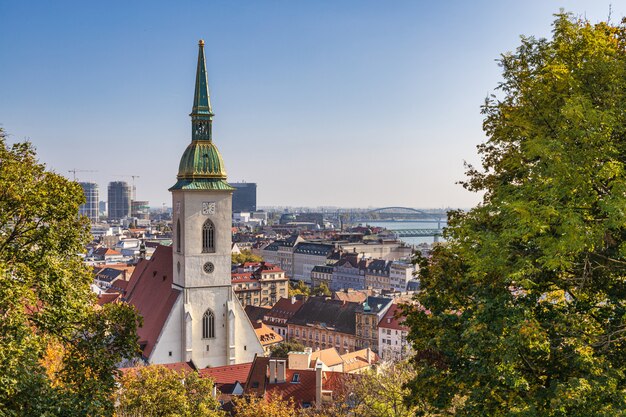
228,374
119,285
108,297
285,308
267,267
393,319
304,391
242,277
150,291
106,252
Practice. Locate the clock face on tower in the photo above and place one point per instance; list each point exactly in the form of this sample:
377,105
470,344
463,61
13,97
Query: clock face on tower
208,207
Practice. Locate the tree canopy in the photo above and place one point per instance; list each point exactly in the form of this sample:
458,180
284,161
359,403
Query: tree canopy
155,390
58,351
245,256
524,307
300,288
282,349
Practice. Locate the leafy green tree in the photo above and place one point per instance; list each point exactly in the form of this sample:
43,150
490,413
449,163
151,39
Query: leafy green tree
272,406
282,349
322,290
58,352
301,288
526,304
380,392
245,256
155,390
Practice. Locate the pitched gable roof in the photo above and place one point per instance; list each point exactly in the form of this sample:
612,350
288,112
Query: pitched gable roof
256,313
284,308
150,291
330,356
332,314
267,336
318,249
228,374
393,319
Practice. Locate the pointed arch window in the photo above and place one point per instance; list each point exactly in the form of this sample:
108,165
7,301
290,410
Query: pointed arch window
178,236
208,237
208,325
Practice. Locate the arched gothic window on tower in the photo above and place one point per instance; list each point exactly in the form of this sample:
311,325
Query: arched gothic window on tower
178,236
208,325
208,237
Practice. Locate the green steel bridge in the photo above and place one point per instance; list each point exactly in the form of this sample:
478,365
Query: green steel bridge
416,232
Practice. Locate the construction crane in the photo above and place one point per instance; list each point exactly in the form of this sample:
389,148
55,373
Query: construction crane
74,171
133,177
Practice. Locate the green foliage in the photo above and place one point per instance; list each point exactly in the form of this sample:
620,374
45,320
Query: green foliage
381,392
57,351
301,288
527,299
155,390
272,406
282,349
245,256
322,290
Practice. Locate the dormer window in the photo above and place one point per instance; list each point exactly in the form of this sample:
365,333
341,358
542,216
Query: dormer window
295,379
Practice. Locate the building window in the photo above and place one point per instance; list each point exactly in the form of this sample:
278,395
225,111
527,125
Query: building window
208,237
208,325
178,236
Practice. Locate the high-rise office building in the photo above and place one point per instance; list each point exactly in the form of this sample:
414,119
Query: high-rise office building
119,200
90,208
244,197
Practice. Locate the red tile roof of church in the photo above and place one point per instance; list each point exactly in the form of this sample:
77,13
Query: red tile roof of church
150,291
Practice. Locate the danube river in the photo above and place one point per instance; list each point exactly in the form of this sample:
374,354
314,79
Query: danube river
397,225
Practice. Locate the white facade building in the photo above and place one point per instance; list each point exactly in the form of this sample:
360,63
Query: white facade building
400,273
393,344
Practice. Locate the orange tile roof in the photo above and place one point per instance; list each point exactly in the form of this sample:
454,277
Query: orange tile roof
267,336
329,356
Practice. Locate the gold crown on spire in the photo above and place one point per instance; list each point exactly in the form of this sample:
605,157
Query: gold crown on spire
201,42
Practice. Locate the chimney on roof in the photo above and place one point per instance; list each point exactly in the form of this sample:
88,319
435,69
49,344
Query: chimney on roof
281,371
318,384
369,356
293,299
272,366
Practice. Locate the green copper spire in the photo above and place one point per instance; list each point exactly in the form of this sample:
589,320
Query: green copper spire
201,98
201,166
201,113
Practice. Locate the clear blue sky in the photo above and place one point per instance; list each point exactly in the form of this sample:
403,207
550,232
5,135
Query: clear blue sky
344,103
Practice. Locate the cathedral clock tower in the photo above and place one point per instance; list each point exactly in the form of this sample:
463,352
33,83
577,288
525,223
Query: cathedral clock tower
215,329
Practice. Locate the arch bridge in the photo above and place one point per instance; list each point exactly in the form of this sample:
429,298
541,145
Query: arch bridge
404,214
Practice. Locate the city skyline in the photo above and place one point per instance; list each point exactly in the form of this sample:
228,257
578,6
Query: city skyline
322,104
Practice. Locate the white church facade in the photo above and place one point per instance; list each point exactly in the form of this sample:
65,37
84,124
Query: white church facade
184,291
